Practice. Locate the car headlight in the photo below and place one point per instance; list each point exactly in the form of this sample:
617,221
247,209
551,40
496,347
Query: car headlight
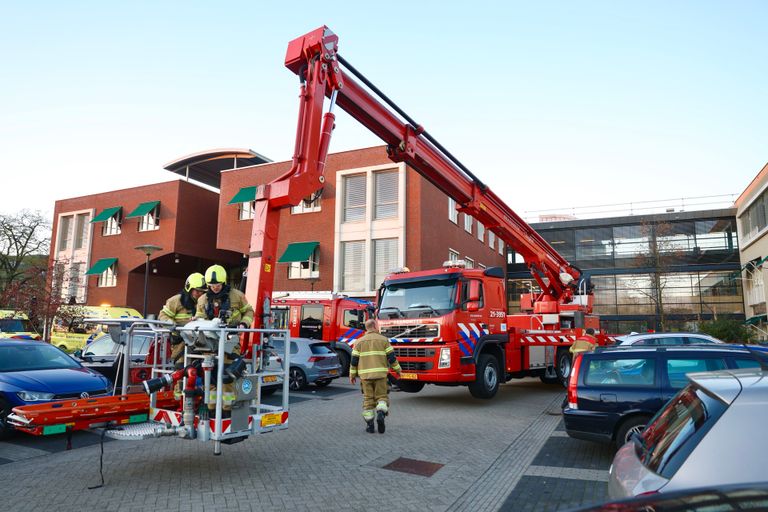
34,396
445,358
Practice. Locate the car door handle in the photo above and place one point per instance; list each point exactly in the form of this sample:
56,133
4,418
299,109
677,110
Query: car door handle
607,397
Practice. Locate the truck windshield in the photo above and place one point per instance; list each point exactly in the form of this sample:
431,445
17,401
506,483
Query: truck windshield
419,299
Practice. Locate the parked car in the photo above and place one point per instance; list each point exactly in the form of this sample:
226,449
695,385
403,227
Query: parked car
69,332
711,433
666,339
32,372
311,363
721,498
614,391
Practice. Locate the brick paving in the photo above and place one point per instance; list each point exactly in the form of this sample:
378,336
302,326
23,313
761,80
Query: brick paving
494,456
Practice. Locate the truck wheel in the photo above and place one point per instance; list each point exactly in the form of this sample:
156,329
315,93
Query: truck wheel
635,424
343,361
487,379
408,386
563,367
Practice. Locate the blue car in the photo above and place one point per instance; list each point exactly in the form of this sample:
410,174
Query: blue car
32,372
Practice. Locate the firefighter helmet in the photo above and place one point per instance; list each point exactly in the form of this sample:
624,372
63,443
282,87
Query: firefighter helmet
215,275
195,281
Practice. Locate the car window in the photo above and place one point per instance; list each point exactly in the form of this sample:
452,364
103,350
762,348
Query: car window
621,372
320,349
696,340
678,367
34,356
140,345
103,346
745,363
677,428
280,346
647,341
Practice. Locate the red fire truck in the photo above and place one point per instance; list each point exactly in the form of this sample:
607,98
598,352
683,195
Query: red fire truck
331,317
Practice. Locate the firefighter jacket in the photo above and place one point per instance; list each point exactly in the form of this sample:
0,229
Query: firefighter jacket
585,343
210,306
372,356
176,311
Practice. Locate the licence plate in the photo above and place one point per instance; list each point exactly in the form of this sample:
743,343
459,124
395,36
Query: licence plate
274,418
409,376
269,378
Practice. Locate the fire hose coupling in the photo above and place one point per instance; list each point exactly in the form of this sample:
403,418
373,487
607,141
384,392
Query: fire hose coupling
234,370
156,384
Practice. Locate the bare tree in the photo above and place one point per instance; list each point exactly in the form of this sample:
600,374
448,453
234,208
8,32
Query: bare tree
24,240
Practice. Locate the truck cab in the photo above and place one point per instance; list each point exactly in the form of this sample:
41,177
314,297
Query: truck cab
324,316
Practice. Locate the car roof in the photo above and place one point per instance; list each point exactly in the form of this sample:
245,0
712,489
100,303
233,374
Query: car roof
721,347
664,334
750,383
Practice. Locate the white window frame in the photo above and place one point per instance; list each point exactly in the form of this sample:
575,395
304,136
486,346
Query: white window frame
81,234
501,247
453,213
491,239
387,201
481,266
480,232
108,278
342,268
364,206
112,226
150,221
307,207
65,234
468,223
309,269
375,283
246,210
453,255
469,262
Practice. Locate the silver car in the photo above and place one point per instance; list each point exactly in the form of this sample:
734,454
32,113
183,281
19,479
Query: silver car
666,338
710,434
312,362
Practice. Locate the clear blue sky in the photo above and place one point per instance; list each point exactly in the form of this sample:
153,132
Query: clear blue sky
551,103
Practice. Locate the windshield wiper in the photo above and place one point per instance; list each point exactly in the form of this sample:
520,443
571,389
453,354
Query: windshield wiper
424,306
399,313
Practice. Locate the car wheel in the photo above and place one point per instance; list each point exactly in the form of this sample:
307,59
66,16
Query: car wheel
5,429
409,386
63,347
297,379
633,425
486,383
322,383
343,361
268,391
564,365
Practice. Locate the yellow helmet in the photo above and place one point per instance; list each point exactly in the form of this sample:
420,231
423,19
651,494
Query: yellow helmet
195,281
216,274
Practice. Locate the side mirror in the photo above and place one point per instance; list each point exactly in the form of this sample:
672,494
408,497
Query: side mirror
473,306
474,291
78,354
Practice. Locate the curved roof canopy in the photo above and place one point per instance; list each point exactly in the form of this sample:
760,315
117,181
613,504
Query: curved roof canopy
206,166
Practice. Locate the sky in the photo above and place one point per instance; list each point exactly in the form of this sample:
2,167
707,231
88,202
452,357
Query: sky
556,105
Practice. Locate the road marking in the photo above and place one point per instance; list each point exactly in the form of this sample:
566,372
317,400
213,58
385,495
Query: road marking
593,475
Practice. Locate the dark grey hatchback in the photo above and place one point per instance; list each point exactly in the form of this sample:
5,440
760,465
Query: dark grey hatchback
614,391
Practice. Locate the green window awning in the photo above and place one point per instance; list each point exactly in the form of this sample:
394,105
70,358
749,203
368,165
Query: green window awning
299,251
143,209
244,195
100,266
755,320
106,214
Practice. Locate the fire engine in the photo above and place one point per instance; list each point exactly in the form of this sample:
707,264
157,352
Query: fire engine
325,316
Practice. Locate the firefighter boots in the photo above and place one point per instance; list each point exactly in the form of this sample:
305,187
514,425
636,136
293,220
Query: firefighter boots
379,421
369,426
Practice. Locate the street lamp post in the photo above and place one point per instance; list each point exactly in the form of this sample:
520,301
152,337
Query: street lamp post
147,250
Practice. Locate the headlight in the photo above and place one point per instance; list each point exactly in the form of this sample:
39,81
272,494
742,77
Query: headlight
445,358
34,396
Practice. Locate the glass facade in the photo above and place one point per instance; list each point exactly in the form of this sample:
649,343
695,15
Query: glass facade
649,269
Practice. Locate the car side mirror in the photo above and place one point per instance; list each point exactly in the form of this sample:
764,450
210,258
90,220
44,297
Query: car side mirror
78,353
473,306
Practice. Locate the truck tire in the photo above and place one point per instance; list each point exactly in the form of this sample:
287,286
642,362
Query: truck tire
343,361
563,365
410,386
487,378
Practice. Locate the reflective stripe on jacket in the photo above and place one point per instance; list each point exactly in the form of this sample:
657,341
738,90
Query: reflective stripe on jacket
174,311
372,357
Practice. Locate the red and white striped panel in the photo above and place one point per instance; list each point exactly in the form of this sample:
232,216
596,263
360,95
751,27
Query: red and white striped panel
544,339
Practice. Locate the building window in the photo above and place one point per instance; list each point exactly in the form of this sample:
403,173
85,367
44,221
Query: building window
108,278
470,263
467,223
150,221
480,232
75,272
453,214
65,228
354,197
481,266
112,225
453,255
386,190
384,259
501,247
306,269
307,205
352,271
491,239
245,211
81,230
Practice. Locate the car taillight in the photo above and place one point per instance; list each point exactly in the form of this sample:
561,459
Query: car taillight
572,383
315,359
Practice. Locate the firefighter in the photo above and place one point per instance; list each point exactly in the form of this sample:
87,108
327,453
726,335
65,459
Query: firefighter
371,359
230,304
180,309
584,343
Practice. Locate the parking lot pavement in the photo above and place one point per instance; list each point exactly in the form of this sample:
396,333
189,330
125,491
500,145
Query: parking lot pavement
443,450
20,446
